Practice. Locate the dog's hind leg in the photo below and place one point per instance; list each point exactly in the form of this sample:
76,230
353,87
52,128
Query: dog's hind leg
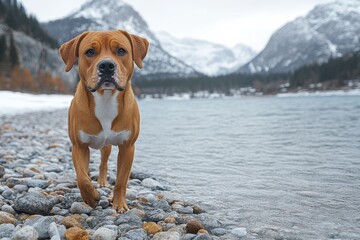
105,153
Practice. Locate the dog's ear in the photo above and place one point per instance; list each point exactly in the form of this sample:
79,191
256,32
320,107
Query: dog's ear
139,46
69,51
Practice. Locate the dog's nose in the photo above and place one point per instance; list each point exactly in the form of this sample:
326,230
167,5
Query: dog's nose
106,66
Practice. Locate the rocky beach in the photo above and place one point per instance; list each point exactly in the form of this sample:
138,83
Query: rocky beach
39,198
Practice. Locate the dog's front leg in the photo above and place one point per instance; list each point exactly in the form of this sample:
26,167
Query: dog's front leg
81,159
124,163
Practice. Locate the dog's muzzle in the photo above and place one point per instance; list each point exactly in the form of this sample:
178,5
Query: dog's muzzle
107,79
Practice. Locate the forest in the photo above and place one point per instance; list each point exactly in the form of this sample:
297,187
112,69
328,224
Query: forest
332,75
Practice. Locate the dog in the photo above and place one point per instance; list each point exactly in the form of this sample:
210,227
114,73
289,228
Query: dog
104,111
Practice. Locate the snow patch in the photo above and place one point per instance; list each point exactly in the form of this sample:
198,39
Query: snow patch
15,102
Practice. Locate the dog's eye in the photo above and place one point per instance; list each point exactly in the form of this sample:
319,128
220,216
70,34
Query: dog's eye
120,51
90,52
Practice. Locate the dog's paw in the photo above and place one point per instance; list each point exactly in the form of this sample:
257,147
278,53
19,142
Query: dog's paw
91,198
102,183
120,205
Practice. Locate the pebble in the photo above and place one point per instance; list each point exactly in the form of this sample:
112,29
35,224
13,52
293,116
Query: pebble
239,232
70,221
53,231
38,191
8,194
193,227
153,184
70,198
218,231
25,233
167,236
104,203
152,228
6,230
129,218
186,210
6,217
104,234
8,209
33,203
2,171
21,188
137,234
76,233
189,236
202,236
80,207
155,215
41,224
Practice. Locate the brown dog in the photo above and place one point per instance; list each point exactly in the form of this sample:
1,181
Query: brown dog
104,111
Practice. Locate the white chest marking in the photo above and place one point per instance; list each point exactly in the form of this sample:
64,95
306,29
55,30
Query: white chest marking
106,110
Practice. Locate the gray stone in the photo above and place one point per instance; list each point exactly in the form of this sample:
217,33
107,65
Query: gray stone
130,218
37,183
53,230
2,171
70,198
155,215
8,194
104,223
153,184
21,188
137,234
3,188
167,236
7,208
189,236
210,223
239,232
41,224
105,234
6,230
186,210
80,207
104,203
163,204
171,197
138,175
25,233
202,237
218,231
33,203
124,228
62,230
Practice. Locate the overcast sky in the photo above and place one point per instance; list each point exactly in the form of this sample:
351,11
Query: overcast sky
228,22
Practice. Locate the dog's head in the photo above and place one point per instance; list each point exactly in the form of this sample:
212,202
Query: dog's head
106,59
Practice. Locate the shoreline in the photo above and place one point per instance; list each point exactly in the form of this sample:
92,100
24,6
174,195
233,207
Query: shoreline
39,196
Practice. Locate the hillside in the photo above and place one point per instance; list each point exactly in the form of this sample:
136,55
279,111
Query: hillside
13,15
29,59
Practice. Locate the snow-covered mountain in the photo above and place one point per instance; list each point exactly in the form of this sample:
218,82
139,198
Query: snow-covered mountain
97,15
206,57
329,30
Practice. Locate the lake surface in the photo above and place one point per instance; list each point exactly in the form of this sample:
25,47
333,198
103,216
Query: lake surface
281,167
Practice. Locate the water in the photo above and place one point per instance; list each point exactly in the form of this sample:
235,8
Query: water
281,167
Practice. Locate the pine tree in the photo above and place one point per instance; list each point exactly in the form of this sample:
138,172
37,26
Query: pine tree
13,55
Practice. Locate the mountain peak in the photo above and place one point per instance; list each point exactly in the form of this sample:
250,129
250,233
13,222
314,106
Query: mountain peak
329,30
105,15
98,9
